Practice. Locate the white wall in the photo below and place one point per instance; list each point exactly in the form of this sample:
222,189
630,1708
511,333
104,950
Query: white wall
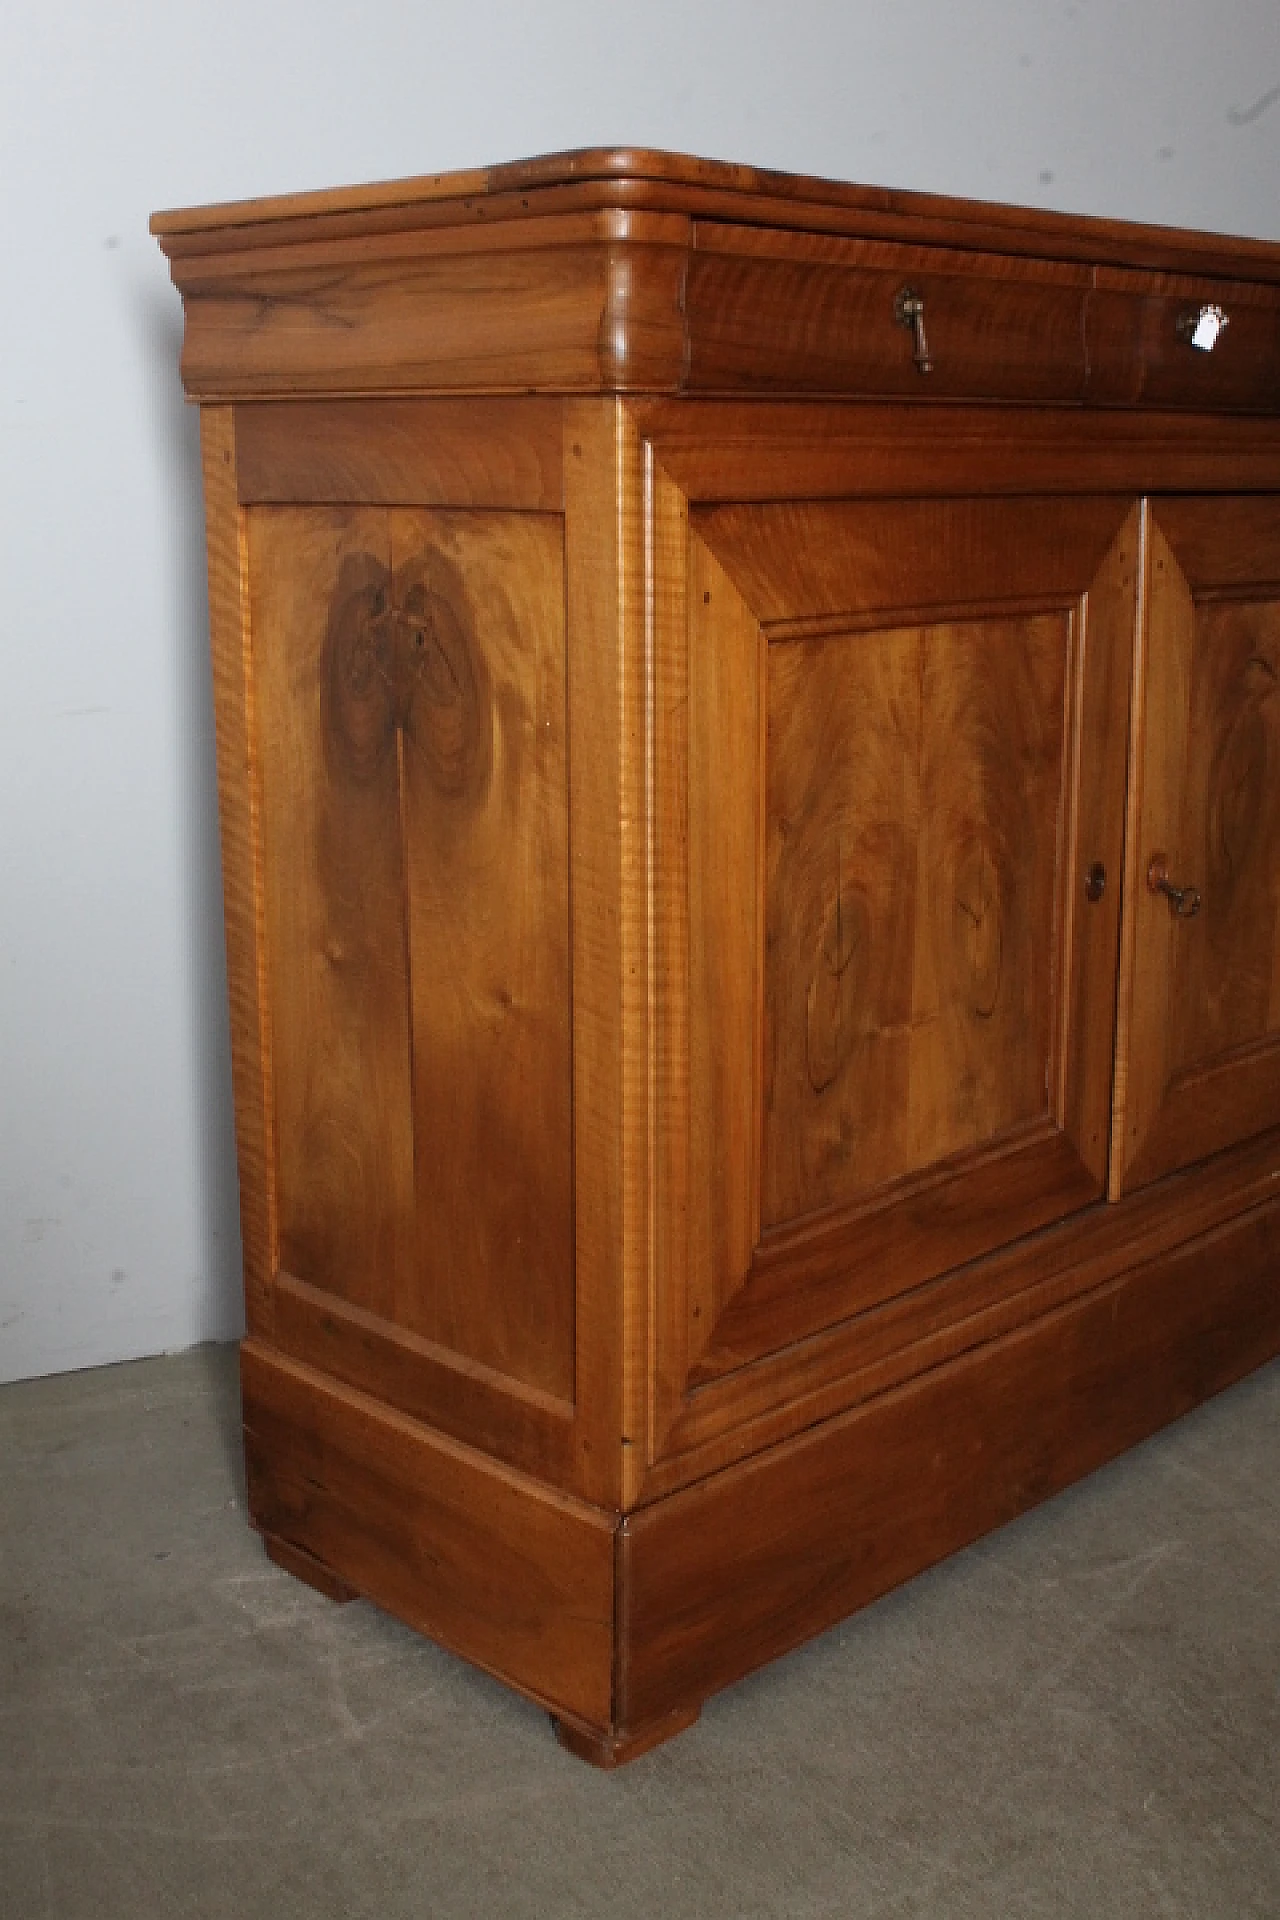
118,1226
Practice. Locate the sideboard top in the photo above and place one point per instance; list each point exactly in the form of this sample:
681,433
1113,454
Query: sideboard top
645,180
621,270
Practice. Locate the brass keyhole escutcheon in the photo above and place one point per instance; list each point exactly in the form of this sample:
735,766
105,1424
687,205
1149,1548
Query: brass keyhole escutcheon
1184,902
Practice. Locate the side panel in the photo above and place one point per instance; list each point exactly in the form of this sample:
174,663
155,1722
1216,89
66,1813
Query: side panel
411,681
406,683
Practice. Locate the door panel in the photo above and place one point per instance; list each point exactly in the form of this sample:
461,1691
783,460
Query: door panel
913,815
907,726
1199,1045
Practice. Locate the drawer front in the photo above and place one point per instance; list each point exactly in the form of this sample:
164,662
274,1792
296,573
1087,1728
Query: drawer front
773,312
776,312
1142,351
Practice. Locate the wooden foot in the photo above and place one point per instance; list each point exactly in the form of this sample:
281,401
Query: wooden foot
304,1566
615,1749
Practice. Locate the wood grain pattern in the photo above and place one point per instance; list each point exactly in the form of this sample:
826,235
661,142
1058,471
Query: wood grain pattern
728,680
474,1403
449,324
844,1261
677,1059
1226,545
608,706
770,449
489,1563
1136,356
666,1308
732,1416
895,1070
239,804
796,563
485,835
696,282
413,692
641,177
1095,840
1199,1059
419,453
1226,989
729,1574
594,305
915,800
798,313
334,910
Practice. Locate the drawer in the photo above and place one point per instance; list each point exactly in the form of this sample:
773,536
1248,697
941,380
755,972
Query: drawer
806,313
1141,352
778,312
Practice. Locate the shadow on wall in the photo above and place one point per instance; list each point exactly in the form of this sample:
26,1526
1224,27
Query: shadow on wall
175,434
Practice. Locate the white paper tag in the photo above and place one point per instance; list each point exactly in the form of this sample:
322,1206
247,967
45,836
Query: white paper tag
1208,327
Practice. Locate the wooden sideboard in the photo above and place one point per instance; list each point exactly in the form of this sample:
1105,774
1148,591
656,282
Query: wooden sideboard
749,762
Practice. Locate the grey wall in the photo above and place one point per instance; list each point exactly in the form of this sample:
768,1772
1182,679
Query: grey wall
118,1228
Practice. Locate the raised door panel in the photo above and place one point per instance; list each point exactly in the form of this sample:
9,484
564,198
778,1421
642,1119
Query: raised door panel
906,728
1199,1056
913,809
410,699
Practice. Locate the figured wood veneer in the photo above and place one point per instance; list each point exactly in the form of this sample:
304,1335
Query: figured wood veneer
1199,1067
722,1119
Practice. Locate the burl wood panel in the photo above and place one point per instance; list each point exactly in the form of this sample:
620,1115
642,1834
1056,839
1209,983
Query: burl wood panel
1226,991
914,810
1199,1063
334,906
485,813
411,670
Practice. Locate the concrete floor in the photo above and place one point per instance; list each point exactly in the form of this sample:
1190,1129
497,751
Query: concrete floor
1080,1716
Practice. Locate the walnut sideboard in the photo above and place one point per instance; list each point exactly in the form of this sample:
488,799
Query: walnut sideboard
749,763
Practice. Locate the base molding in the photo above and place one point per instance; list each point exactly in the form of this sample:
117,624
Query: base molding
495,1566
623,1625
720,1578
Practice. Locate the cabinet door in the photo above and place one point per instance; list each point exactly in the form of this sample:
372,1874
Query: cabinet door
907,726
1199,1045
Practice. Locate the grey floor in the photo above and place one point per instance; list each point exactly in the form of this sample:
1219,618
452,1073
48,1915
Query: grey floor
1080,1716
